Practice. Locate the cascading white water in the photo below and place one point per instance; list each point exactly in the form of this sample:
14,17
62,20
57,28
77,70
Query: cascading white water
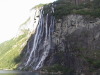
45,28
35,41
46,46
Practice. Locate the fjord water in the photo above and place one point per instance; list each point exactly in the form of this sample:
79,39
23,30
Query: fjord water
5,72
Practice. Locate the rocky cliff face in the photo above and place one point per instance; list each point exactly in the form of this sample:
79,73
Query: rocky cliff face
75,43
71,42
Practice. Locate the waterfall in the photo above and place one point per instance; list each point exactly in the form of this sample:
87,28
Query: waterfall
42,40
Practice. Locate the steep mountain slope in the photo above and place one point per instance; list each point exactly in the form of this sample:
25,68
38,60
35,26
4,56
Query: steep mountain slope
64,41
10,51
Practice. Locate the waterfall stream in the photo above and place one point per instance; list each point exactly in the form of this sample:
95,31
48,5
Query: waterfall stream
42,40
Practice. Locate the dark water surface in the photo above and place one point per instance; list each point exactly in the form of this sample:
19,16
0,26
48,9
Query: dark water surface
5,72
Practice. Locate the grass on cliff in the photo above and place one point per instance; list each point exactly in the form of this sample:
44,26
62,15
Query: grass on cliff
10,51
64,8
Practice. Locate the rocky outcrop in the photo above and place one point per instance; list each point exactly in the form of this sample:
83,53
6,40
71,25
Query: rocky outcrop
75,44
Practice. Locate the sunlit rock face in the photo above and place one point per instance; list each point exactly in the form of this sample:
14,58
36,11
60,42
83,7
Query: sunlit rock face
71,42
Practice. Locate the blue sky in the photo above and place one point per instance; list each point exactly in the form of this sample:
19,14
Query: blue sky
13,13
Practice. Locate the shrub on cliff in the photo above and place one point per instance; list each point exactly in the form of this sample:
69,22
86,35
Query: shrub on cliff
64,8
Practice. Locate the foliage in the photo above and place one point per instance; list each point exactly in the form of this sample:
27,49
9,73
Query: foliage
17,59
38,6
10,51
46,9
58,68
94,13
64,8
93,62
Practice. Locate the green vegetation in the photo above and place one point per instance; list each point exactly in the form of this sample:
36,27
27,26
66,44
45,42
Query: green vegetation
57,68
38,6
94,13
64,8
93,62
47,9
10,51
